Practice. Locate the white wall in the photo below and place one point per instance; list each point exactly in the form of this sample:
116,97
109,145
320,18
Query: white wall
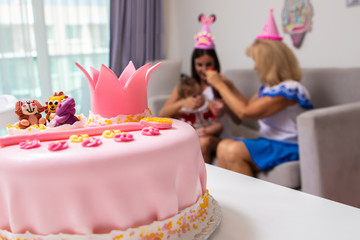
333,42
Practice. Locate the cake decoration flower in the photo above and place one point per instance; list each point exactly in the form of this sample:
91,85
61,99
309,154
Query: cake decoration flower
123,137
108,122
58,145
40,126
78,138
150,131
29,144
91,142
12,126
109,133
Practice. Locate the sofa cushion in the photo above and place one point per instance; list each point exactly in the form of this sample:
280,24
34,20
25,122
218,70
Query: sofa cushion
243,131
332,86
286,174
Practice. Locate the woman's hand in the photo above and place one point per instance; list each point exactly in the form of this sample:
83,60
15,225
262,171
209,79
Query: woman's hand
213,78
201,132
192,103
217,107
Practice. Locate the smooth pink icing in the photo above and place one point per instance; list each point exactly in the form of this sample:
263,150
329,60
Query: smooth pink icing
111,96
97,190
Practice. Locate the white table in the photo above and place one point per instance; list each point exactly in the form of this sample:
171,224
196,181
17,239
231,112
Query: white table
253,209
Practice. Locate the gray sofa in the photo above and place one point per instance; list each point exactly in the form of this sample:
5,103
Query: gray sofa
329,135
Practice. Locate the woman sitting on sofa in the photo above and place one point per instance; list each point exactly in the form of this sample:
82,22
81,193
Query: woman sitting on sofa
203,58
280,99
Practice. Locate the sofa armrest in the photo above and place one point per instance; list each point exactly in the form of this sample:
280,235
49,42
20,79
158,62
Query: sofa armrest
329,143
156,103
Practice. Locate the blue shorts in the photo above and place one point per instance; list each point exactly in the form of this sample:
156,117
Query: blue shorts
266,153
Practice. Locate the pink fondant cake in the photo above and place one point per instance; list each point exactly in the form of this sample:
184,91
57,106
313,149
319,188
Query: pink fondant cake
115,177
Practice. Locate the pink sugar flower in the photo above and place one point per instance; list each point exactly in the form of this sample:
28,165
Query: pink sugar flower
91,142
123,137
29,144
150,131
58,145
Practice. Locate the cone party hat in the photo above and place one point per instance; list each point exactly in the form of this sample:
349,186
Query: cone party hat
270,30
204,39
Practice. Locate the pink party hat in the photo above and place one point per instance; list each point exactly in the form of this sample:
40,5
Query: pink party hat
270,30
204,39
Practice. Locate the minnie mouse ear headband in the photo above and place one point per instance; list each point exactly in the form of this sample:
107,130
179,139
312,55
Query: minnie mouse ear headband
270,30
204,39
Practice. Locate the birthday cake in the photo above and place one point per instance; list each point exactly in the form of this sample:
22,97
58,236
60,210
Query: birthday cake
118,174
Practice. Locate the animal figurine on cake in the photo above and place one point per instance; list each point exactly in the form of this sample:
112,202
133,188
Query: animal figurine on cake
52,104
29,113
65,113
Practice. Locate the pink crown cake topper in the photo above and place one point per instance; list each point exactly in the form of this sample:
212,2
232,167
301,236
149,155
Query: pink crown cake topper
204,39
270,30
112,96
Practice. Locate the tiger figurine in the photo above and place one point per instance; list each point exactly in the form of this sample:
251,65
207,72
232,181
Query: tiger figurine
52,104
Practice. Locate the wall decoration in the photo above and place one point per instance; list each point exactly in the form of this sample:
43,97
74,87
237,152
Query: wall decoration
296,19
350,3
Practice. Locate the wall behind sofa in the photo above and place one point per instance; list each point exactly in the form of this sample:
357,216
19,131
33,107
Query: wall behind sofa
333,41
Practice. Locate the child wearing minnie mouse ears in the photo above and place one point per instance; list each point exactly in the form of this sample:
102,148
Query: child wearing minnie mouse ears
276,105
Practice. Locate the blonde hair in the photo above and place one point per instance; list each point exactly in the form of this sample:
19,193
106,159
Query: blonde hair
275,62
